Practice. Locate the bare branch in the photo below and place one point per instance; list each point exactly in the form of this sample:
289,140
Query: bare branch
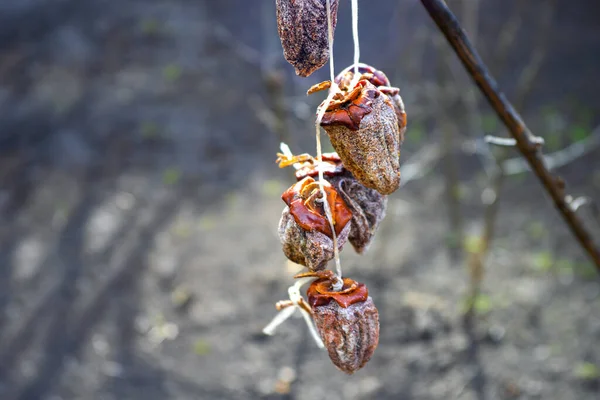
557,159
449,25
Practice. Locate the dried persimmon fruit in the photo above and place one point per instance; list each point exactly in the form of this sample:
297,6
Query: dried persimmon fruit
362,124
368,206
346,319
303,30
304,230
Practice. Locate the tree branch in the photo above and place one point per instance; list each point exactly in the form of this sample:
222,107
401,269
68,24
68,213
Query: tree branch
559,158
450,27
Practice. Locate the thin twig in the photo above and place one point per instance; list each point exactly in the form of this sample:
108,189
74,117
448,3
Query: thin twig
559,158
449,129
420,164
470,11
498,141
508,35
248,54
517,165
577,203
449,25
507,142
527,78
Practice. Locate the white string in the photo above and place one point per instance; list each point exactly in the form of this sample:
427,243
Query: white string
279,319
294,290
330,42
355,36
283,315
321,111
326,207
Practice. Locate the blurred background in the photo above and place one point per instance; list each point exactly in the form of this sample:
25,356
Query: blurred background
140,199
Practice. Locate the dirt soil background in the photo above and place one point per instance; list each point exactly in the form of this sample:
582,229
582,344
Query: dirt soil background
139,199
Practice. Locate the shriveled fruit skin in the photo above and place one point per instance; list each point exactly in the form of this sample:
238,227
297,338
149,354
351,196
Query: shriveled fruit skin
302,27
304,230
350,335
365,134
347,321
368,209
312,249
368,206
381,81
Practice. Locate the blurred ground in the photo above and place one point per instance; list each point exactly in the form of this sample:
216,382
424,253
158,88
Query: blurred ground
139,201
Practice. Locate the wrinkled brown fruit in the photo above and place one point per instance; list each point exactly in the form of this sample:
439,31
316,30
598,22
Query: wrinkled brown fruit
304,230
368,206
381,81
363,127
302,26
368,209
347,321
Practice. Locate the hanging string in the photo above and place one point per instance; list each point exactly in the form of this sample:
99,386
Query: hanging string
355,36
321,111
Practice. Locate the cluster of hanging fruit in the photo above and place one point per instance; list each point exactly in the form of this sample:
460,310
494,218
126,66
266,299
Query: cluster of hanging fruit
365,120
